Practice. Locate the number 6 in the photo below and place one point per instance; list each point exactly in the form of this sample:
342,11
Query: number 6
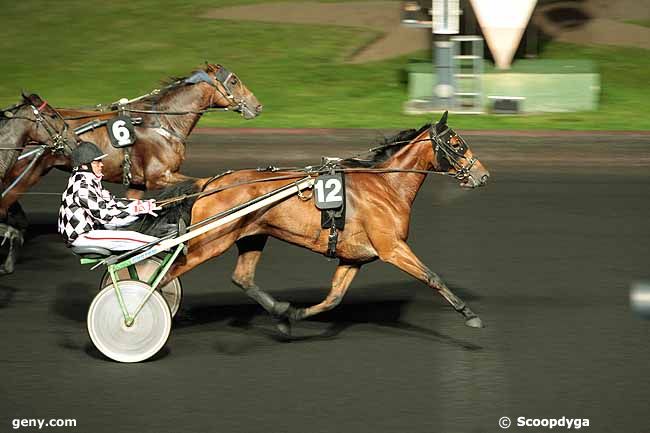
121,132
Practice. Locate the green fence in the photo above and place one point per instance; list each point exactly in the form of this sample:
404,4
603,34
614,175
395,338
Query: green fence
539,85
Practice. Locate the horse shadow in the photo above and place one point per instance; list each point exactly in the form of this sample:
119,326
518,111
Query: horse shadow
384,305
7,294
72,300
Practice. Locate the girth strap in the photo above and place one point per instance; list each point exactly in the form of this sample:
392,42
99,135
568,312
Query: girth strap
332,239
126,166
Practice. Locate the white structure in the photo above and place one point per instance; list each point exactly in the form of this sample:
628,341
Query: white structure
445,17
503,23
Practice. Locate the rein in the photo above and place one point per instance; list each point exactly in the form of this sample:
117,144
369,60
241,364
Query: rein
221,76
299,173
214,191
326,168
132,110
59,142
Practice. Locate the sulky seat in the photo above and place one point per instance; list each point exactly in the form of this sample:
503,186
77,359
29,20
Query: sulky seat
91,252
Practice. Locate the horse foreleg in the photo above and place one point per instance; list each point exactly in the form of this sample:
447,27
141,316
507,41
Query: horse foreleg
42,167
12,213
14,239
16,217
250,251
343,276
402,257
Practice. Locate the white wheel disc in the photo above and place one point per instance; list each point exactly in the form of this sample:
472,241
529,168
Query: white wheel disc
172,291
144,338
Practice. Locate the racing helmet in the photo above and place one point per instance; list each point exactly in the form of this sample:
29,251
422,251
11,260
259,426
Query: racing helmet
86,153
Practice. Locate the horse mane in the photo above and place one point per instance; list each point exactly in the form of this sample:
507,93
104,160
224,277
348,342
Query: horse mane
168,85
3,119
387,148
12,108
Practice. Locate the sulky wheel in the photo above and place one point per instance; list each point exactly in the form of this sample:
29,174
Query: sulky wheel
146,335
172,291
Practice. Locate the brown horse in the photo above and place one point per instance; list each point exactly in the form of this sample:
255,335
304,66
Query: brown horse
376,224
168,117
159,149
31,121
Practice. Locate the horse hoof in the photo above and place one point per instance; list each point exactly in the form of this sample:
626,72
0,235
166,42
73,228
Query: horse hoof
8,267
284,326
295,314
280,309
474,322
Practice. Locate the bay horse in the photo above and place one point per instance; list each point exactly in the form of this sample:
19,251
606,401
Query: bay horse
376,224
159,149
31,121
168,117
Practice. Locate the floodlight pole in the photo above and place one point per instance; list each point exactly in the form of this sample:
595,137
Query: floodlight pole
444,22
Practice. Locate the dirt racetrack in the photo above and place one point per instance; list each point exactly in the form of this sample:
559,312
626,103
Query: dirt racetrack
545,253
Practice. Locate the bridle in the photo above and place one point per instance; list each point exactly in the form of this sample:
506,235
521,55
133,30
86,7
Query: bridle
441,142
223,76
58,139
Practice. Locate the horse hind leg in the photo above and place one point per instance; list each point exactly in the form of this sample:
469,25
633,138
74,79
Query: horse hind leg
200,251
250,252
402,257
343,276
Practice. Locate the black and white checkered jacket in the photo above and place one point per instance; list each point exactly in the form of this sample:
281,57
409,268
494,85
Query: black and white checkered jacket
86,206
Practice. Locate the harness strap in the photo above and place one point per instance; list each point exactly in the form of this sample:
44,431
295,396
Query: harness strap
333,237
59,142
234,185
126,166
285,177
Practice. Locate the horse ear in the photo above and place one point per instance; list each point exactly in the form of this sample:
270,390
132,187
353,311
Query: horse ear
31,98
443,119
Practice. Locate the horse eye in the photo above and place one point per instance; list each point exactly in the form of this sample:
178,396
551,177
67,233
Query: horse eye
233,81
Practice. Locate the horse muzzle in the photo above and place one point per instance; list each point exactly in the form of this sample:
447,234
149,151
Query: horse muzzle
476,177
247,112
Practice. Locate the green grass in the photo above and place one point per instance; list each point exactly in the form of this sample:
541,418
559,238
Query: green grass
644,23
81,54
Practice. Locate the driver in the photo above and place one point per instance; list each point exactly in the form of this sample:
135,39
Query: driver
89,214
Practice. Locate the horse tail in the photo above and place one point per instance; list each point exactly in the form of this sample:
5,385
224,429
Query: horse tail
169,216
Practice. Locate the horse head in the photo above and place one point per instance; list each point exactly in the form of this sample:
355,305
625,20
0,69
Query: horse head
43,124
452,155
229,91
